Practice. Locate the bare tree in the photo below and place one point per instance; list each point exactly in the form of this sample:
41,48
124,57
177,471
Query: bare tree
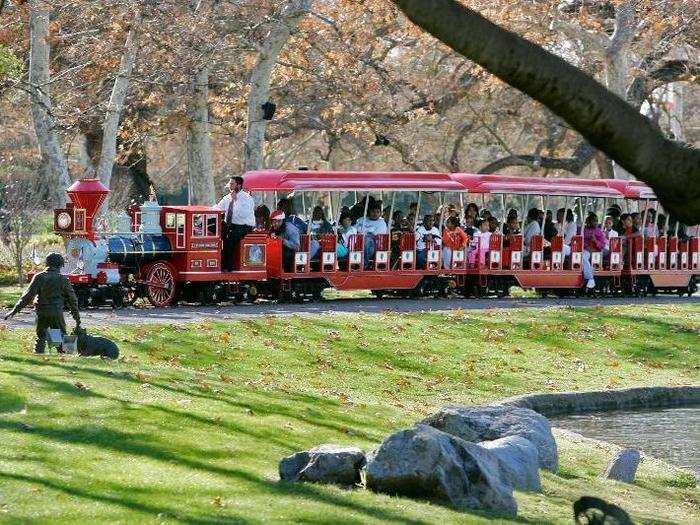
277,34
610,124
55,166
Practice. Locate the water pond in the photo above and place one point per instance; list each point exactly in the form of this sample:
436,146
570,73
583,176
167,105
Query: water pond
669,434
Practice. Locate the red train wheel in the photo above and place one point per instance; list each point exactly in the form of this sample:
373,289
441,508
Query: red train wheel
160,284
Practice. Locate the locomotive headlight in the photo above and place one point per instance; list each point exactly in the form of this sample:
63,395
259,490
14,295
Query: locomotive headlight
63,220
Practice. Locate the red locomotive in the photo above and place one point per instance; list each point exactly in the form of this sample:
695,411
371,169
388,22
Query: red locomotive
173,253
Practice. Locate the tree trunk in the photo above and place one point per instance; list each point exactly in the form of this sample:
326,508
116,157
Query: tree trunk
605,120
199,173
279,32
114,110
52,155
617,61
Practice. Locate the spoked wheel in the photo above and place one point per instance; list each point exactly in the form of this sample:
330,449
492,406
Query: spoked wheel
160,284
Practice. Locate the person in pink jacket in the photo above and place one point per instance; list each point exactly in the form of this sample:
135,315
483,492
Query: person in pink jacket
594,240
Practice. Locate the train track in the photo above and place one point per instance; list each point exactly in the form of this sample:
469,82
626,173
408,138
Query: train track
191,314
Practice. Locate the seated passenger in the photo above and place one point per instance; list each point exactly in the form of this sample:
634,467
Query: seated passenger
550,229
512,224
472,210
661,224
469,228
399,226
651,230
285,205
614,212
480,244
371,226
319,226
285,230
609,232
593,241
427,237
566,227
345,230
453,239
262,218
637,221
629,229
532,228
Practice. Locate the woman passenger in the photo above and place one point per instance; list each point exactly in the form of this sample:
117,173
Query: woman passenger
453,239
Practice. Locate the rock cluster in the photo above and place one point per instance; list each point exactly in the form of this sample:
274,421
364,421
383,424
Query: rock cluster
470,457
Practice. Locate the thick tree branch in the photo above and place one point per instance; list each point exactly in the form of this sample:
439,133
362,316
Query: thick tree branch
605,120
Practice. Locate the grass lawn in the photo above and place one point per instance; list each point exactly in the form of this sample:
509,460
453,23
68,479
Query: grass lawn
189,425
10,294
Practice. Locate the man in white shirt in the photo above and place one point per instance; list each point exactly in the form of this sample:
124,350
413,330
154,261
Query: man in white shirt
239,219
371,226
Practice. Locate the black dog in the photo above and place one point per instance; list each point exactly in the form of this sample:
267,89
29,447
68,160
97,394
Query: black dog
595,511
89,345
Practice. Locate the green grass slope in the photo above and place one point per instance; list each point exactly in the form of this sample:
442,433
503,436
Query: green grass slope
189,425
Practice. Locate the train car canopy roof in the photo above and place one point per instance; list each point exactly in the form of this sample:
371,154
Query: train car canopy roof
475,183
280,180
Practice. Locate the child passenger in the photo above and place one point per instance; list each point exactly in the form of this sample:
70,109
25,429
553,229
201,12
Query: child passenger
453,239
427,237
480,243
345,230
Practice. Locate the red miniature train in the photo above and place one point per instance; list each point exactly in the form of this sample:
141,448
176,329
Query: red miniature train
173,253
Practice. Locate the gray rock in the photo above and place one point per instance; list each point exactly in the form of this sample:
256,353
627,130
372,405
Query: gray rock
519,461
486,423
427,463
324,464
623,466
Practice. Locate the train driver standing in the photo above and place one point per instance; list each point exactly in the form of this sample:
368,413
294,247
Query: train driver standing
239,219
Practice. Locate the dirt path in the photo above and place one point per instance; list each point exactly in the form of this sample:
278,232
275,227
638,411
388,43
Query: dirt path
188,314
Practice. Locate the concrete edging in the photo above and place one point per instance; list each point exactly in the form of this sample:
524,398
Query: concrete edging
563,403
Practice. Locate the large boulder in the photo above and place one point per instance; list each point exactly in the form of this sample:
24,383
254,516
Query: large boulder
623,466
519,461
334,464
427,463
486,423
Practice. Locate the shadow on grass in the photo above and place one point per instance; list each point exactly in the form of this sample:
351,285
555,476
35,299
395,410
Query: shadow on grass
121,501
272,404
